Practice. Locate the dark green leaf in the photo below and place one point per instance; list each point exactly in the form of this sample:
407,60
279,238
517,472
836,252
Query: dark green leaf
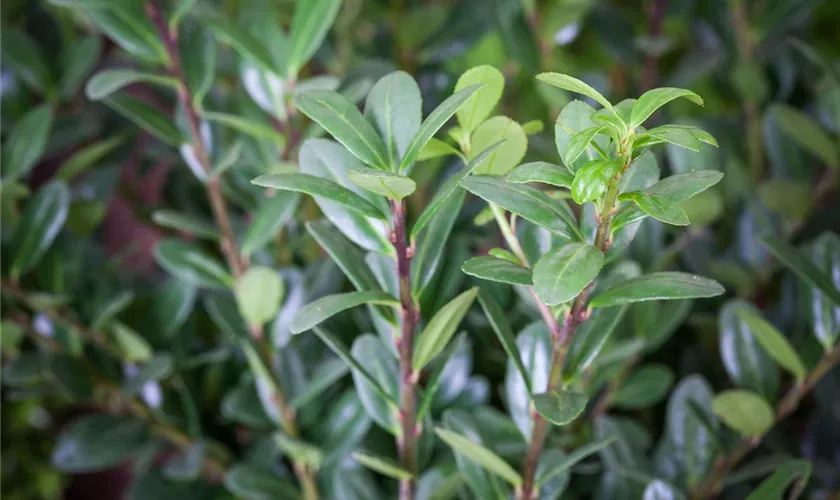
658,286
107,81
42,220
186,223
326,374
660,490
572,458
825,316
802,266
693,439
560,407
540,171
441,328
316,312
430,244
275,211
147,117
745,360
501,270
172,305
241,40
128,26
87,157
482,483
157,368
310,24
377,383
345,122
252,482
22,54
25,145
527,202
317,186
562,273
394,106
796,471
97,442
646,387
347,256
806,133
192,264
198,58
502,329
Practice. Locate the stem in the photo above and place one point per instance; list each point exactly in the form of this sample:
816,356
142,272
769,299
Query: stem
237,263
712,484
407,442
746,49
561,339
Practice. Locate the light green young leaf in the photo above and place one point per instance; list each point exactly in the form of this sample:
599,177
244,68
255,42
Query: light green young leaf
806,270
658,286
540,171
322,309
382,465
310,25
259,293
590,182
562,273
481,104
394,106
579,142
773,342
299,451
147,117
433,123
448,189
134,347
345,122
480,455
388,184
246,126
654,99
806,133
107,81
527,202
191,264
436,148
533,127
441,328
317,186
744,411
500,270
42,220
560,407
240,39
26,142
571,84
658,207
502,160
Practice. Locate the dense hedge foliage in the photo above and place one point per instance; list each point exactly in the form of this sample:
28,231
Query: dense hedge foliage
364,249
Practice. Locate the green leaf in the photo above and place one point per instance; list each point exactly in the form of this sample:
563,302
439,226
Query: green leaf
26,143
22,55
394,106
480,455
172,304
646,386
111,307
441,328
42,220
377,384
128,26
259,293
191,264
692,427
774,487
347,256
773,342
436,148
483,483
185,465
503,331
672,134
147,117
299,451
562,273
157,368
746,362
527,202
806,270
560,407
310,25
320,310
254,482
317,186
326,374
654,99
744,411
448,189
345,122
246,126
806,133
660,490
571,84
198,53
430,244
382,465
388,184
658,286
540,171
503,160
825,316
78,59
87,157
241,40
591,181
494,269
436,377
274,211
186,223
573,118
97,442
134,347
107,81
573,458
579,142
478,107
658,207
433,123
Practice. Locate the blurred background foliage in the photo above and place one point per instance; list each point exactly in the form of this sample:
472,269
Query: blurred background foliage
767,69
